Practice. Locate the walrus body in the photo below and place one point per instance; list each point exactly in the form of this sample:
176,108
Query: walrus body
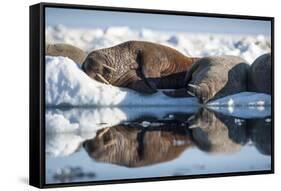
66,50
260,75
214,77
133,146
260,132
142,66
217,134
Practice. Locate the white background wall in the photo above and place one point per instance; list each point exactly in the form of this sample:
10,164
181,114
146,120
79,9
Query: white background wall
14,86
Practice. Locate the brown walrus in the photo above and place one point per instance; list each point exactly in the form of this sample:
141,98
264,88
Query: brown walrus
142,66
259,77
216,133
133,146
66,50
214,77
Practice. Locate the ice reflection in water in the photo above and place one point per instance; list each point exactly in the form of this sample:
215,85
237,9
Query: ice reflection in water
155,142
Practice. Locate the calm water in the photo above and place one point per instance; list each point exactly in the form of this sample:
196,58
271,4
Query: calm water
125,143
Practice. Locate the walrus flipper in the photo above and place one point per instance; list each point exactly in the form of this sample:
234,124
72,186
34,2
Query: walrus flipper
201,92
147,72
189,90
136,82
188,75
142,87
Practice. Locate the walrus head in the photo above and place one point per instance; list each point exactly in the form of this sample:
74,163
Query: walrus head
96,66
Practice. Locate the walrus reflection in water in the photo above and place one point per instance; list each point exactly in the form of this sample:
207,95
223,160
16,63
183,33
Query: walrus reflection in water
260,134
133,146
138,65
214,77
216,133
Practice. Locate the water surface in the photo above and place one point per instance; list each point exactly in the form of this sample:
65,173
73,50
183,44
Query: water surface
93,144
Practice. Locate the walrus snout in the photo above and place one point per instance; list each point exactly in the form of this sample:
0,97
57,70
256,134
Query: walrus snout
86,145
95,67
90,66
91,145
96,146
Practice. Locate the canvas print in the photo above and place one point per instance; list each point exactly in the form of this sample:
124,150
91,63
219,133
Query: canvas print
133,95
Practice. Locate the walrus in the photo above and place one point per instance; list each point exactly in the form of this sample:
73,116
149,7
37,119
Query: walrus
216,133
260,74
260,133
66,50
214,77
135,146
138,65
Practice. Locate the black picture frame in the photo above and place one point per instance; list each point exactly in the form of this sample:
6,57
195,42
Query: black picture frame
37,93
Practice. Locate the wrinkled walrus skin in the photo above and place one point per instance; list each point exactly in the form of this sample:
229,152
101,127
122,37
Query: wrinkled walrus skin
259,77
138,65
66,50
214,77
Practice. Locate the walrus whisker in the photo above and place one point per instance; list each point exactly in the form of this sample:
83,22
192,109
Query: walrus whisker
108,67
193,86
190,93
103,79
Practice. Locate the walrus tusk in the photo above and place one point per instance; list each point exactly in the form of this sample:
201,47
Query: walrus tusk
103,132
193,86
108,67
103,79
193,126
190,93
191,118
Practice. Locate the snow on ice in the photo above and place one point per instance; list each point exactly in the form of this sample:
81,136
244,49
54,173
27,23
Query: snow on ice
248,47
